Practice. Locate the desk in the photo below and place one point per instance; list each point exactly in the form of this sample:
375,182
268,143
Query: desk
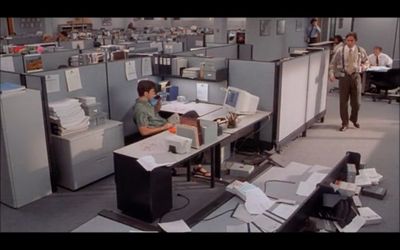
182,108
372,72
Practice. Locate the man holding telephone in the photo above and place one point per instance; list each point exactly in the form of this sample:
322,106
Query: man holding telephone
145,113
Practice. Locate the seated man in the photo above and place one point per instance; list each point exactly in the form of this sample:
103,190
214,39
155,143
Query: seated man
146,116
380,59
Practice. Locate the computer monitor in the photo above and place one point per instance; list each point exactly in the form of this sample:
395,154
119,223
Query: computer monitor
240,101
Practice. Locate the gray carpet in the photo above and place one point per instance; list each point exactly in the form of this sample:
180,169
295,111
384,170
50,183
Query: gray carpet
377,141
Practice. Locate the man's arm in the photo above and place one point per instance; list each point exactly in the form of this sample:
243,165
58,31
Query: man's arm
333,65
145,131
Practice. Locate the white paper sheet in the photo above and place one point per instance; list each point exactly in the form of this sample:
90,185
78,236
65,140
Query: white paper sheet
175,226
73,78
257,202
284,210
267,224
353,226
146,66
7,63
130,70
241,228
316,178
305,188
202,92
150,162
242,214
52,83
296,168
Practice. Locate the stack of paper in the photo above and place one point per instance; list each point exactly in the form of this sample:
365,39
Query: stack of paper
87,100
67,116
369,215
193,72
8,87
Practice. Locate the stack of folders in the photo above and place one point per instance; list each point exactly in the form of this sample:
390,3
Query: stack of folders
67,117
193,72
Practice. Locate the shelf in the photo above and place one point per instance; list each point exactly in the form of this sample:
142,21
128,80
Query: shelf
194,79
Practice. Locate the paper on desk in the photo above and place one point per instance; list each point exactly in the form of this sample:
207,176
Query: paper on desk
296,168
73,78
175,226
267,224
241,228
256,201
353,226
52,83
150,162
284,210
242,214
318,168
146,66
7,63
202,91
130,70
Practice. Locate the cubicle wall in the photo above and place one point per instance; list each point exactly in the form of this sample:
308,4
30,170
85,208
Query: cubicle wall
123,93
87,44
245,52
17,63
94,83
229,51
24,40
258,78
292,101
11,77
188,88
317,84
52,61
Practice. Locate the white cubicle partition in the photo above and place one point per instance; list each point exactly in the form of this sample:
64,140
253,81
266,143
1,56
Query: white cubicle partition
292,101
317,83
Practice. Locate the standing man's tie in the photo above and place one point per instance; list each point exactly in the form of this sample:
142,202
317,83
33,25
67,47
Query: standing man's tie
350,62
377,60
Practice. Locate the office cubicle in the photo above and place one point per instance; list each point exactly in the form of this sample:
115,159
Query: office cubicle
123,93
229,51
13,63
54,60
258,78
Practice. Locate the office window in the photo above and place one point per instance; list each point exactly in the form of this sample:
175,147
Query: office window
265,27
280,27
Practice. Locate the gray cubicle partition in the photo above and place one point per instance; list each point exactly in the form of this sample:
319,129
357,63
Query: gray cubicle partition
292,98
195,52
25,40
52,61
258,78
229,51
245,51
11,77
123,93
18,63
317,84
192,41
94,83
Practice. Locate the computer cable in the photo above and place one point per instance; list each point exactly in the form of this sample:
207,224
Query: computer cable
230,210
179,208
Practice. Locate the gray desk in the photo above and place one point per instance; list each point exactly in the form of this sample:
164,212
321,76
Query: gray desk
181,107
277,189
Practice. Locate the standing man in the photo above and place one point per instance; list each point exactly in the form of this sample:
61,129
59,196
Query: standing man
313,32
380,59
347,65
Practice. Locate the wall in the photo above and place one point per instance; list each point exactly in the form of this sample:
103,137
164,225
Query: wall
383,34
274,46
51,23
346,28
3,26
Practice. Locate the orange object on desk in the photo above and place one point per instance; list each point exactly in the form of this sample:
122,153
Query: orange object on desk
172,130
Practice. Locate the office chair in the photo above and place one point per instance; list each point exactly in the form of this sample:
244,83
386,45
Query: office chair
390,80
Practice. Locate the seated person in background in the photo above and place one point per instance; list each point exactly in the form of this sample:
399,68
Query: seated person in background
145,113
337,43
62,36
380,59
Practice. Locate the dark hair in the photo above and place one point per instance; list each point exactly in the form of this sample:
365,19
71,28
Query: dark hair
338,37
145,86
353,34
313,20
378,47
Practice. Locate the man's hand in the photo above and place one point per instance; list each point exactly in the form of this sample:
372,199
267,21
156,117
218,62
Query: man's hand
332,78
167,126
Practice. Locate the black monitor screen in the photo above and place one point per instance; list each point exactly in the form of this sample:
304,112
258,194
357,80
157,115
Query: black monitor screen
232,98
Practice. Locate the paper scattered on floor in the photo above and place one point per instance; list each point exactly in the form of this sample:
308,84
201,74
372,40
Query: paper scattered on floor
175,226
305,188
296,168
369,215
242,214
257,202
267,224
353,226
241,228
284,210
